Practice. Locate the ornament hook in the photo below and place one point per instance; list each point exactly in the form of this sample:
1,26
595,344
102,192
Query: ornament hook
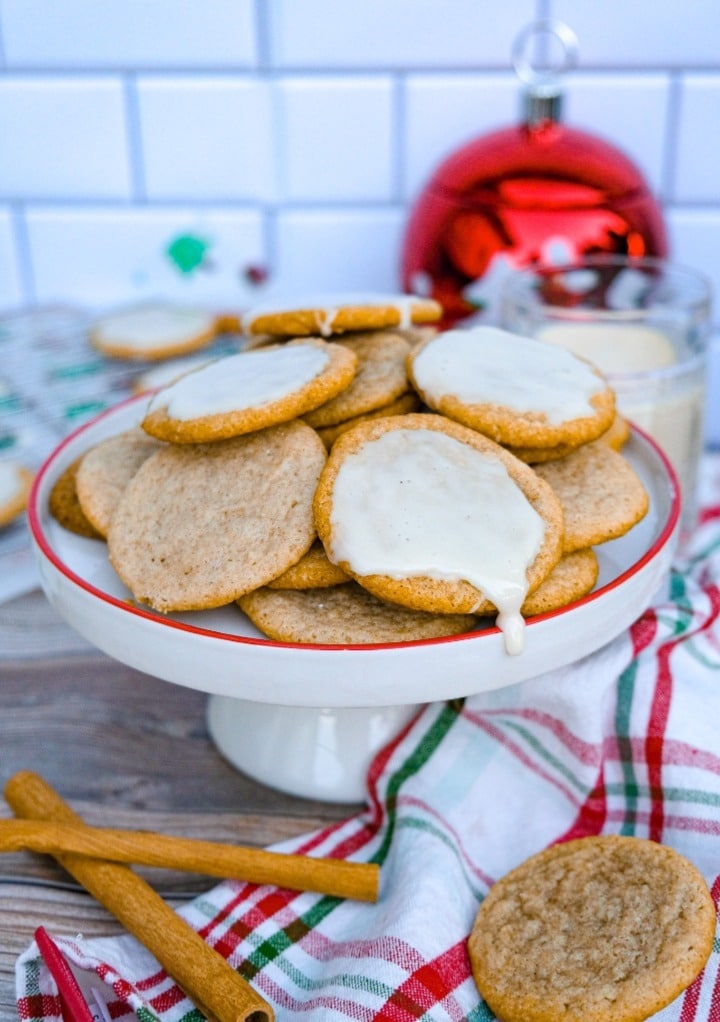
532,43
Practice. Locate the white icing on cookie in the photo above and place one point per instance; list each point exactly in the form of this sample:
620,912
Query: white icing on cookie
246,380
152,328
485,365
416,503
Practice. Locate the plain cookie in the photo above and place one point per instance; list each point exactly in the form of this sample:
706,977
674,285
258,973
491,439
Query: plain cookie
105,470
601,494
601,929
343,615
200,525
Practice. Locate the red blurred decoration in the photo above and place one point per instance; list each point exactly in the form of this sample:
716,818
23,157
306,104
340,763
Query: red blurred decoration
534,193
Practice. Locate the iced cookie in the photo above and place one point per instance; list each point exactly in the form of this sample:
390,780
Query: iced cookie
65,507
616,437
343,615
313,571
200,525
516,390
601,929
427,513
153,332
15,483
331,314
403,405
249,391
105,471
601,494
380,378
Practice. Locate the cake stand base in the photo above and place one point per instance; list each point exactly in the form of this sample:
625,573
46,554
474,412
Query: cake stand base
315,753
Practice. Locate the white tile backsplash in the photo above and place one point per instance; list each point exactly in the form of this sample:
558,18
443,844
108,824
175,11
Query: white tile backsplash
641,33
353,250
294,135
11,295
207,137
629,111
444,112
337,139
399,34
697,164
63,137
129,33
98,257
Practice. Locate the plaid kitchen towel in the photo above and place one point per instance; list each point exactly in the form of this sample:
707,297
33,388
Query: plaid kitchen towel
626,741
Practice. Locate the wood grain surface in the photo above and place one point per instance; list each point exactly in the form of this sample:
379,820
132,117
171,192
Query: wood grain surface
125,750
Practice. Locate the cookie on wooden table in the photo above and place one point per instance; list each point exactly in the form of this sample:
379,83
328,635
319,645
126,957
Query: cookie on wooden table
200,525
600,929
601,494
153,332
313,571
427,513
106,469
15,483
65,507
343,615
519,391
248,391
330,314
380,377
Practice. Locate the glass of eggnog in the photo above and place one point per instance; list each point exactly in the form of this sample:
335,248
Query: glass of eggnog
644,323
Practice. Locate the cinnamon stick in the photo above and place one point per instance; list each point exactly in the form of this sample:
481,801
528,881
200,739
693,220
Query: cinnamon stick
357,880
219,992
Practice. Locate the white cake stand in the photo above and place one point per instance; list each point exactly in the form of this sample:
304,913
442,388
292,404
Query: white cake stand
308,719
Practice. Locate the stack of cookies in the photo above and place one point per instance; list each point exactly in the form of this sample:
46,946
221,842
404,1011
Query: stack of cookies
354,476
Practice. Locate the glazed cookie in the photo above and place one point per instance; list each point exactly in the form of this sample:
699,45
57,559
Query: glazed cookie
616,437
313,571
405,404
105,471
64,505
249,391
15,483
600,929
153,332
618,434
200,525
601,494
343,615
516,390
427,513
380,378
331,314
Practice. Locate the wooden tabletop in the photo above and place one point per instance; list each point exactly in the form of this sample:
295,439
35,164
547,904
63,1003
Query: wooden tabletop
125,750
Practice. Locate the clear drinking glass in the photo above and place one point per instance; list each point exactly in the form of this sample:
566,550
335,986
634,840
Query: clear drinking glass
644,323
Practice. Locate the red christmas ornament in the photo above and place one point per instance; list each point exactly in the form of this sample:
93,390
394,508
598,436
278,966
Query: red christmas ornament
535,193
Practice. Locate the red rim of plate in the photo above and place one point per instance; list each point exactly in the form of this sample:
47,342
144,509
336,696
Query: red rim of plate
44,545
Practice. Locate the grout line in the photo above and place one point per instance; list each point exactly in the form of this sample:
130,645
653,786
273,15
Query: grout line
133,127
398,151
668,177
263,34
23,253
